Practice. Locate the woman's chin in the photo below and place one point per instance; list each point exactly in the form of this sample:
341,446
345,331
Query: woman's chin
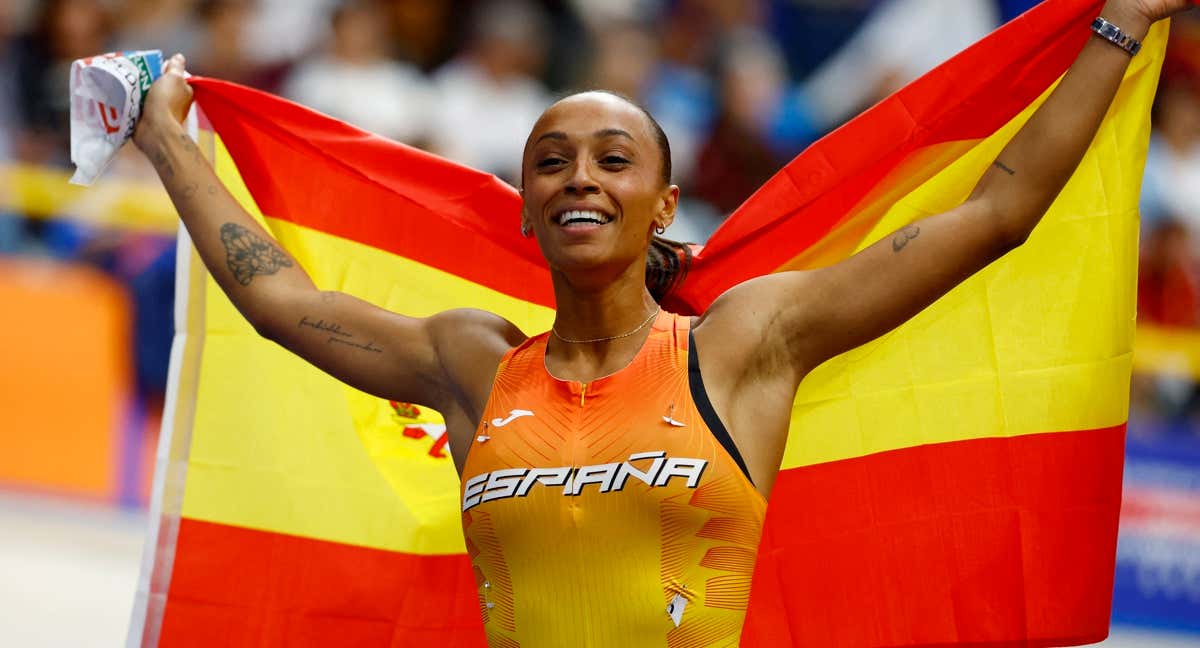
587,265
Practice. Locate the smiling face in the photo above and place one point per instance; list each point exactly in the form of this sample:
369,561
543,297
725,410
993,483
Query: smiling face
593,186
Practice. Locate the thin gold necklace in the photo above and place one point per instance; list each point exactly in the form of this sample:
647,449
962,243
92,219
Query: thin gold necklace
611,337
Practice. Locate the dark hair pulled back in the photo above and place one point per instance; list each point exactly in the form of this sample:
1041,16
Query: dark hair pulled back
667,263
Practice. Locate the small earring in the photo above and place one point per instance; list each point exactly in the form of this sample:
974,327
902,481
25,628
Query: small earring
659,229
525,229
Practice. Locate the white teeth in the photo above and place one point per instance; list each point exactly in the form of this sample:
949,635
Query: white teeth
581,216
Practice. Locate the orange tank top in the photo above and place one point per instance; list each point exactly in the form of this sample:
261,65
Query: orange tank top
611,513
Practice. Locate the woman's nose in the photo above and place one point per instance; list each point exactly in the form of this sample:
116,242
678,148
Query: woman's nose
581,180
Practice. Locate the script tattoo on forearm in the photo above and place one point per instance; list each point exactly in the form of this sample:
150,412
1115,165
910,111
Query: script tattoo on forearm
337,335
901,239
249,255
369,346
1004,167
332,328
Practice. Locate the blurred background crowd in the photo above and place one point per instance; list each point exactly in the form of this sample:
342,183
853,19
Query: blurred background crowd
740,87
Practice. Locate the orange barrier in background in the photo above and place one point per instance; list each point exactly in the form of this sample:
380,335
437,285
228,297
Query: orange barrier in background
64,377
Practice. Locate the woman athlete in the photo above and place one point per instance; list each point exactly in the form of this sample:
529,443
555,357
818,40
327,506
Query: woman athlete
615,469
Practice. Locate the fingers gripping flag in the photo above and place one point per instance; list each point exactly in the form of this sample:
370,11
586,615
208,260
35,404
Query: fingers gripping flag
955,482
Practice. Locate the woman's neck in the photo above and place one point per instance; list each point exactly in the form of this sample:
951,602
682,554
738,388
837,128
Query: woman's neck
598,330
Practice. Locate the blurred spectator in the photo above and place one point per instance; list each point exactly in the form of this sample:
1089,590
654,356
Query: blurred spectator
733,15
681,94
738,157
899,42
600,14
221,46
566,47
8,91
1173,163
63,31
489,96
164,25
356,81
280,31
421,30
1168,290
60,32
624,58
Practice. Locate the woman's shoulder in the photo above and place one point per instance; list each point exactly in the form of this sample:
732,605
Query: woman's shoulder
470,344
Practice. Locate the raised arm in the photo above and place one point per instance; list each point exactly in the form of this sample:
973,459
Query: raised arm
383,353
758,340
817,314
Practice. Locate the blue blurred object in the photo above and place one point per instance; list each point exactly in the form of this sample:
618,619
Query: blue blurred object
153,292
12,232
794,126
809,32
1010,9
1157,581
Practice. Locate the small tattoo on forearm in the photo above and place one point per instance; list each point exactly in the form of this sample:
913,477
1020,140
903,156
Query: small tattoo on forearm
212,190
369,346
189,191
249,255
1004,167
163,164
332,328
190,146
906,234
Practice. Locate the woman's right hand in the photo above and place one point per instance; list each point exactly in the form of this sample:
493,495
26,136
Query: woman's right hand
167,102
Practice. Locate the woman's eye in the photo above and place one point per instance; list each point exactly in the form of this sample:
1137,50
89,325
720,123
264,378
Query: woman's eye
549,162
614,159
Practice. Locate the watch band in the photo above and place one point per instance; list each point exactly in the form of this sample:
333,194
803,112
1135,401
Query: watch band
1114,35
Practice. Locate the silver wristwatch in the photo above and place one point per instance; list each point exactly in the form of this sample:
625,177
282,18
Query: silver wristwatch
1114,35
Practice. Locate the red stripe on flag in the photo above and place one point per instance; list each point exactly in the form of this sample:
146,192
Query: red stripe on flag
312,170
240,587
997,542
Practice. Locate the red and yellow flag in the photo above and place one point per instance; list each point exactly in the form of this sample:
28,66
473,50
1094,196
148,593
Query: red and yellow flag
955,482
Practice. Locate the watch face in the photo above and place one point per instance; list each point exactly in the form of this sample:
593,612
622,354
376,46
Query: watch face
1114,35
